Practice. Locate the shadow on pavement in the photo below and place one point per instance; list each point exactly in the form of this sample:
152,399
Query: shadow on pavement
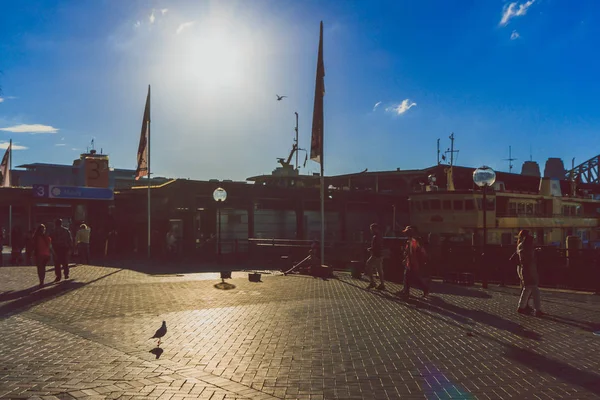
39,296
455,290
11,295
558,369
157,351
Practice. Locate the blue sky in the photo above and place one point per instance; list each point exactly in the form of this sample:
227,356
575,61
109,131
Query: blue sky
496,73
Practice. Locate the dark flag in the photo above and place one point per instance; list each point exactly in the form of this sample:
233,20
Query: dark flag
316,143
5,166
142,155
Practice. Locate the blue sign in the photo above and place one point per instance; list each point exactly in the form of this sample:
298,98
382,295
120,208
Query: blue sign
72,192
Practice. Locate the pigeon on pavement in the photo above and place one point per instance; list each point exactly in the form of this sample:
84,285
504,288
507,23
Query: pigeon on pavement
162,331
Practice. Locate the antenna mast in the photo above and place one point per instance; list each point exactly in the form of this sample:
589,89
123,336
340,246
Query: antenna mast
438,151
296,141
451,150
510,159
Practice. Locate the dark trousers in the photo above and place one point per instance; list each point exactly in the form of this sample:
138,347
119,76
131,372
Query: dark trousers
84,252
413,278
61,259
41,262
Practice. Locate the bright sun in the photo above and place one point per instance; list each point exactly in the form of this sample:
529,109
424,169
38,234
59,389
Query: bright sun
215,59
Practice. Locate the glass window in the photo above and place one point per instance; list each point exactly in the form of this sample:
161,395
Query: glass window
491,204
434,204
425,205
469,204
529,209
579,210
512,208
458,204
447,205
520,208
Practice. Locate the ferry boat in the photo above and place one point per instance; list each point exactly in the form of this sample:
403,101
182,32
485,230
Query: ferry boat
555,210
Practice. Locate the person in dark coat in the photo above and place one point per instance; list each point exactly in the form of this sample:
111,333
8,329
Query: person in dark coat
527,271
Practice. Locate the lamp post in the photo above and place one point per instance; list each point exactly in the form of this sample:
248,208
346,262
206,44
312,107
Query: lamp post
484,177
219,195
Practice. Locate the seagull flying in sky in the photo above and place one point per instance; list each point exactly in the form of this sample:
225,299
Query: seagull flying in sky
162,331
279,98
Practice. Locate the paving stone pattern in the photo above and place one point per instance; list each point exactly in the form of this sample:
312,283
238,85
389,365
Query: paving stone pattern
288,337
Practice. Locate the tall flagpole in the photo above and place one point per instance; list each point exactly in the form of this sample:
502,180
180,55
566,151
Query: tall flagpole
10,206
149,180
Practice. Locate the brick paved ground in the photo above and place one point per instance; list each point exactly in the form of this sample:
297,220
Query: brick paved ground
291,337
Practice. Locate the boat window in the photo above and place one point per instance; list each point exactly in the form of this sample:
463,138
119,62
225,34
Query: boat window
447,205
425,205
469,204
512,208
435,204
579,210
520,208
458,204
529,209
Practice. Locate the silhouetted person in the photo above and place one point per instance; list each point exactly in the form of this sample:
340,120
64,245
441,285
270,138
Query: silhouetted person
62,243
82,239
527,271
41,251
375,261
415,257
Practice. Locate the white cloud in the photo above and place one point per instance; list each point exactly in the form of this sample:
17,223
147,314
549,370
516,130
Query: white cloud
510,11
137,24
60,144
74,149
164,11
1,99
184,26
514,35
376,105
401,108
6,98
4,146
35,128
152,18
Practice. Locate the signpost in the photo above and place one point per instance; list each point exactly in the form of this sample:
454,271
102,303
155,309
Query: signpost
72,192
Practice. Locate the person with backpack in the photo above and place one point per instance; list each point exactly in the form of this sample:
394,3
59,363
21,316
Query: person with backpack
415,258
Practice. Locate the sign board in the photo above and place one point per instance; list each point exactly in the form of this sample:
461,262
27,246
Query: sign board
72,192
96,172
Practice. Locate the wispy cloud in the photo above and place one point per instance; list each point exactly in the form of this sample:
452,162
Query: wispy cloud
2,99
137,24
164,11
152,18
513,10
514,35
35,128
4,146
60,144
185,26
376,105
401,108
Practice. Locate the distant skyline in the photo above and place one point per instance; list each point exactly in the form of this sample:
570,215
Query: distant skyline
399,75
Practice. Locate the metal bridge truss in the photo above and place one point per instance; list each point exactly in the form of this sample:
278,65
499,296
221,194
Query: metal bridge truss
587,172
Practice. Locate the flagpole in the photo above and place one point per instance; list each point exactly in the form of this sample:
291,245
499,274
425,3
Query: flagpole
322,210
10,206
149,180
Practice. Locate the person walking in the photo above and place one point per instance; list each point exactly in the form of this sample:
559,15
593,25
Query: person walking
62,244
527,271
82,239
415,257
375,261
42,247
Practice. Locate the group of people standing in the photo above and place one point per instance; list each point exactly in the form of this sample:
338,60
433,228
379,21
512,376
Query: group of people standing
415,257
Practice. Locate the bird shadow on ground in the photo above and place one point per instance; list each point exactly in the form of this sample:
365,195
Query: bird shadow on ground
157,351
41,295
224,286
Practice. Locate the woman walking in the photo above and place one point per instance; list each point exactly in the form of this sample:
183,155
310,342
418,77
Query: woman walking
527,271
41,251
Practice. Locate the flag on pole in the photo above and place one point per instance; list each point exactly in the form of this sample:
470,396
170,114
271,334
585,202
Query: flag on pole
142,155
316,143
5,166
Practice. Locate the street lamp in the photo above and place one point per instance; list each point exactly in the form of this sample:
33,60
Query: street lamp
483,177
219,195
